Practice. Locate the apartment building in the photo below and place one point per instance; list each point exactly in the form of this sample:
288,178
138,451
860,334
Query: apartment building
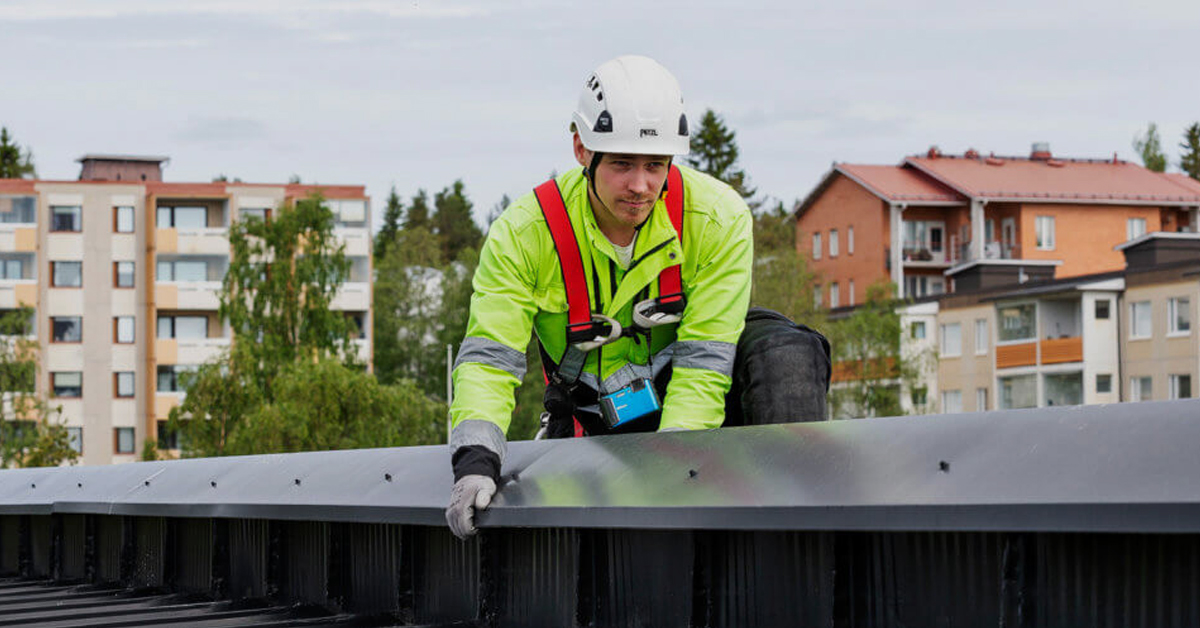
1015,342
123,271
929,221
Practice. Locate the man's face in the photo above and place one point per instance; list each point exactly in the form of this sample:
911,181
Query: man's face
627,185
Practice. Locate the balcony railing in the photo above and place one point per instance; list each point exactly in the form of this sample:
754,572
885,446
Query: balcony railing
1061,350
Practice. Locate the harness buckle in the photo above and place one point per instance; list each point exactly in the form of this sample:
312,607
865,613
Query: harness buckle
597,332
662,310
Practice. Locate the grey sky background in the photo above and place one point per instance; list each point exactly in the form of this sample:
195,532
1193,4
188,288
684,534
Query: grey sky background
417,94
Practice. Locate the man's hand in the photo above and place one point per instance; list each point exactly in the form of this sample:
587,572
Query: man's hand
471,493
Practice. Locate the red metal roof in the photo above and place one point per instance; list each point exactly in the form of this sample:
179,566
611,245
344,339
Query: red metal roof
896,183
1017,178
1184,180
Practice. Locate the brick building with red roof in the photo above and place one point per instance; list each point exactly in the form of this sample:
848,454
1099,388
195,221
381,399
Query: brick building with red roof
936,223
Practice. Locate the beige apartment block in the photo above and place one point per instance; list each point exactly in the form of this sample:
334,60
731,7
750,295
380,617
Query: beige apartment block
1160,348
123,272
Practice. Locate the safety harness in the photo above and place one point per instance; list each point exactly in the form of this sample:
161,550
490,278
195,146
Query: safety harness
587,330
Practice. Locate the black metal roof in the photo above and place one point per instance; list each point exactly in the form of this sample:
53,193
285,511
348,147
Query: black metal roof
1089,468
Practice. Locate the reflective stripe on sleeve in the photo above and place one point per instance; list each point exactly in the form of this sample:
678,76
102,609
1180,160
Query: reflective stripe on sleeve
706,354
492,353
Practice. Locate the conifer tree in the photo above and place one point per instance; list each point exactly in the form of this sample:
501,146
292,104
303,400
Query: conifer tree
391,225
1189,161
715,151
453,223
13,163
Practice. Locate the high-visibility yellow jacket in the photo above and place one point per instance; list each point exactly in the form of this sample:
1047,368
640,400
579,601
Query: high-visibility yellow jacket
518,287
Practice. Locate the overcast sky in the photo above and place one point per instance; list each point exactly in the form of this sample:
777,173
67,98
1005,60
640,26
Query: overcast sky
418,93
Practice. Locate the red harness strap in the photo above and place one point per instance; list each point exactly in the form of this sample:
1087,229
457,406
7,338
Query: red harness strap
579,312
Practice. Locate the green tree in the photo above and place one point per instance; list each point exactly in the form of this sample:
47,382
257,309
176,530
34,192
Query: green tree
1150,148
14,164
391,225
1189,161
452,222
715,151
782,281
32,433
870,357
407,304
322,405
418,212
283,275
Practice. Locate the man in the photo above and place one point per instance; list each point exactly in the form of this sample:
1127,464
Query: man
620,275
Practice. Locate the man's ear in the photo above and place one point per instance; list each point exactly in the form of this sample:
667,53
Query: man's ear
582,155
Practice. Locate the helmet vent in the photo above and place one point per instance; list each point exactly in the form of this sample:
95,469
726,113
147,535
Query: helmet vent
603,123
683,126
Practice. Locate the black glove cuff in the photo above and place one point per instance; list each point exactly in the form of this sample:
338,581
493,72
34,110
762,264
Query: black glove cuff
476,460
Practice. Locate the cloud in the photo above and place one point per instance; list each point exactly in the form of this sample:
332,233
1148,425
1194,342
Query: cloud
222,131
287,13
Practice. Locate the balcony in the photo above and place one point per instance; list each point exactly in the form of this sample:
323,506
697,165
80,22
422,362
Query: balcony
1014,355
358,240
21,238
188,350
353,296
1062,350
187,295
17,292
923,257
193,241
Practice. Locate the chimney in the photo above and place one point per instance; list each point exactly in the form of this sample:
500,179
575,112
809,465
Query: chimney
934,152
132,168
1040,152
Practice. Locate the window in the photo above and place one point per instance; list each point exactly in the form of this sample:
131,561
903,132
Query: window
174,378
123,440
123,219
12,268
981,399
66,329
835,297
123,274
1135,228
66,274
917,330
67,384
1103,382
920,396
349,212
951,340
1180,387
922,286
18,210
1141,389
359,321
833,243
817,295
75,439
981,336
254,213
1139,320
1063,389
123,384
850,295
850,241
183,327
1179,316
1045,232
123,329
167,437
1018,391
182,270
66,218
183,217
1017,323
952,401
816,246
1102,309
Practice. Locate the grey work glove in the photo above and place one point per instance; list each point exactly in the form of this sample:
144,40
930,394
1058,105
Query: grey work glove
471,493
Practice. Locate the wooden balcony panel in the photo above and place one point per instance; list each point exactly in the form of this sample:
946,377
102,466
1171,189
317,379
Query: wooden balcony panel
1009,356
1061,350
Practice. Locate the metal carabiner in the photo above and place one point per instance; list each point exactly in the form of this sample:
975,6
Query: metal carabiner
614,333
646,315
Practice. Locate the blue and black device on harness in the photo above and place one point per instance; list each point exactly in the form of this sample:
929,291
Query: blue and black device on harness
624,408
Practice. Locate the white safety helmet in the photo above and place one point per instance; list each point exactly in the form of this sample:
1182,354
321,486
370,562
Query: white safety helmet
632,105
